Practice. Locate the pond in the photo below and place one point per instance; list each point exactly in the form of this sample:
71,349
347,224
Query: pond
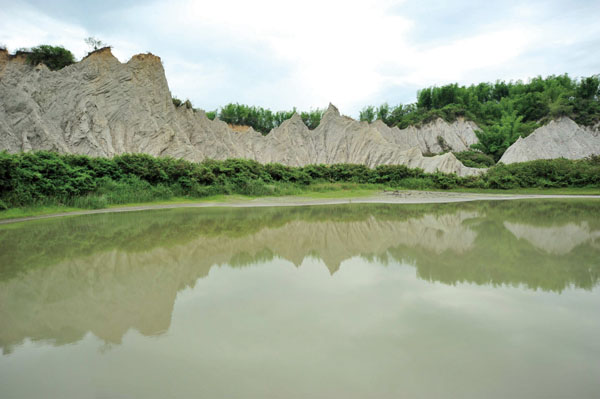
471,300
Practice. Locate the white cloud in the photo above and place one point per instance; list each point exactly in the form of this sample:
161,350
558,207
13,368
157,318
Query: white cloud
25,27
280,54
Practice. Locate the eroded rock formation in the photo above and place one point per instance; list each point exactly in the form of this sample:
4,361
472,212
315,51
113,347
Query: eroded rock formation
102,107
561,138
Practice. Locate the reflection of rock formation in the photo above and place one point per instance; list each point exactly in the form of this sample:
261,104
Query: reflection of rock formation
110,292
117,272
336,242
556,240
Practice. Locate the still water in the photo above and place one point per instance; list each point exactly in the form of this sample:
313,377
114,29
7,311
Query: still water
470,300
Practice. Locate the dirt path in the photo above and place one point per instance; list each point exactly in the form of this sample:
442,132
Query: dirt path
400,197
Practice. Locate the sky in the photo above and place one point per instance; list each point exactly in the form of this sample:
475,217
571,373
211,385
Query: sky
281,54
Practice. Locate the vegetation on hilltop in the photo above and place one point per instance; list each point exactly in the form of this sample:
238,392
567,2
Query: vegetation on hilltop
263,120
536,101
504,111
54,57
260,119
47,178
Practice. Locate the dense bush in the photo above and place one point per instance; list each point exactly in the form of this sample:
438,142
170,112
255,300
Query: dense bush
545,174
78,180
54,57
263,120
475,159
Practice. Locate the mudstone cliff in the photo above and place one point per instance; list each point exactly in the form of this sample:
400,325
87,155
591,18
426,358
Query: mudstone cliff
102,107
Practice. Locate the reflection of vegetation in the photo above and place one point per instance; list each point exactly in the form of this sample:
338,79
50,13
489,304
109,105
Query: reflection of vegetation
108,273
46,242
497,257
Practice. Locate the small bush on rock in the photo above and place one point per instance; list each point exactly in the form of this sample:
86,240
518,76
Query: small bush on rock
54,57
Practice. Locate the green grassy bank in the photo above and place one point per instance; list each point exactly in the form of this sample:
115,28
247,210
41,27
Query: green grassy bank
46,182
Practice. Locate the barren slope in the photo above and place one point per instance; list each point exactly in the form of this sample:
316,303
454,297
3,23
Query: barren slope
561,138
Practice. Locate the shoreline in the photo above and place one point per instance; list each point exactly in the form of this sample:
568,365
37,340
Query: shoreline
401,197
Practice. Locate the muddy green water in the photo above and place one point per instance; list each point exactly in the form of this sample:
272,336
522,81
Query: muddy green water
470,300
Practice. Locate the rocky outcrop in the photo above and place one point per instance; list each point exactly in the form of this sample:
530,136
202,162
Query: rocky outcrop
561,138
432,138
102,107
96,107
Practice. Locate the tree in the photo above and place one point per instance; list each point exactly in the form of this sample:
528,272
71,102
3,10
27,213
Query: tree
94,43
495,139
383,113
54,57
367,114
588,87
424,99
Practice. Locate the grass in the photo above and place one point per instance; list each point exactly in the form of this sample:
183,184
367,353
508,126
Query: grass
14,213
314,191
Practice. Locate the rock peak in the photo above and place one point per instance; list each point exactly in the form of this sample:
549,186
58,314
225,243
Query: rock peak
101,53
147,57
332,108
331,112
296,117
564,120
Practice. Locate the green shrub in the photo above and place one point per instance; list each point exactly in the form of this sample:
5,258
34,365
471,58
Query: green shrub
46,178
54,57
475,159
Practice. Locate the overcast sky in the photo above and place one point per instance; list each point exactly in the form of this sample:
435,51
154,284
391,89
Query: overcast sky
280,54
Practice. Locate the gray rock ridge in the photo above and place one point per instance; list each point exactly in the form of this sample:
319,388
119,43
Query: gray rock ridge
429,138
102,107
561,138
97,107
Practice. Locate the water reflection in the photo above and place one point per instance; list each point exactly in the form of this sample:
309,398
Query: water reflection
106,274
